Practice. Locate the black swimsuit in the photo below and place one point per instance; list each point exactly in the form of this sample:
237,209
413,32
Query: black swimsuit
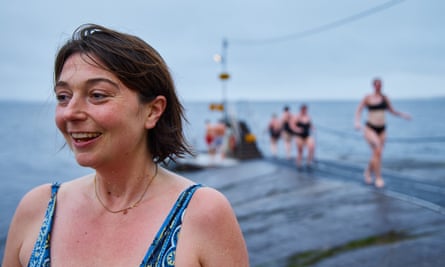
287,128
380,106
377,129
274,134
306,127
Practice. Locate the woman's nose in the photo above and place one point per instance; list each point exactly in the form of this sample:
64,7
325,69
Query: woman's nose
75,109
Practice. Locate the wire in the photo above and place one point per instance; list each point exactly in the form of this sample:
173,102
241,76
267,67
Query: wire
322,28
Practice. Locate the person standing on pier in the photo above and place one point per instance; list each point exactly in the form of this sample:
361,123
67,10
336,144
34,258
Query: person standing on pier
274,129
374,131
302,126
287,132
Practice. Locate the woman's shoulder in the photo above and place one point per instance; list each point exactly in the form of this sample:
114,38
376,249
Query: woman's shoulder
23,229
385,97
209,207
210,220
298,117
367,98
209,212
30,213
35,201
204,200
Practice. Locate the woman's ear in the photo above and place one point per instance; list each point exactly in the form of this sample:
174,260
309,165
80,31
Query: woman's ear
154,111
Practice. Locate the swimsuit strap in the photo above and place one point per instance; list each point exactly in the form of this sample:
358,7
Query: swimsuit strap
163,249
40,255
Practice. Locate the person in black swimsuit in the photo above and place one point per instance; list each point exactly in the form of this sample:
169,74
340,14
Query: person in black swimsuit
374,132
287,131
305,128
302,128
381,106
274,128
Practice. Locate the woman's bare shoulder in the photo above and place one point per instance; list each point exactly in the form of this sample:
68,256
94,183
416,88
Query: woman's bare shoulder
211,196
212,221
211,212
24,226
367,98
34,202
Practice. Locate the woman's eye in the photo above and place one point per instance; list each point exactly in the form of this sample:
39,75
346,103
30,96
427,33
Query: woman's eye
98,96
62,98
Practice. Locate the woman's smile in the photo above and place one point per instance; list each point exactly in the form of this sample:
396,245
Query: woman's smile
82,139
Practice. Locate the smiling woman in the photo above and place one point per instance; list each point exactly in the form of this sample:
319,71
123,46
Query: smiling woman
118,112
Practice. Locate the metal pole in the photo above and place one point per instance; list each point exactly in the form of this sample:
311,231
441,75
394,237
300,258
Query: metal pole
224,70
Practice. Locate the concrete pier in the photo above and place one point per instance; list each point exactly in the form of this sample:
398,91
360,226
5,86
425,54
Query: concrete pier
324,217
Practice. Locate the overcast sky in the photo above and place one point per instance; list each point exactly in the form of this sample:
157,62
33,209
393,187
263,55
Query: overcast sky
267,57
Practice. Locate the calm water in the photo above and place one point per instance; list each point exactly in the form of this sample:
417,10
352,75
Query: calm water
31,151
335,135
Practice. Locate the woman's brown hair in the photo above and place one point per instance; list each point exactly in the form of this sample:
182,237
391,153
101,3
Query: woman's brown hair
140,67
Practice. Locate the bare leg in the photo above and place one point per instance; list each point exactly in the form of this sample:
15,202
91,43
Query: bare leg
311,150
300,144
288,144
374,167
273,147
367,174
378,162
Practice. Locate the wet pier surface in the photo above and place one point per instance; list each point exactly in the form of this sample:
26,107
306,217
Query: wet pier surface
327,216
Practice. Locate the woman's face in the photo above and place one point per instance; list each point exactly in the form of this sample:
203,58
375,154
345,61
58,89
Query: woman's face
377,86
101,119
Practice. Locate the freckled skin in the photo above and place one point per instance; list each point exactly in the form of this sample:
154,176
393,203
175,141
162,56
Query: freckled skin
108,126
110,115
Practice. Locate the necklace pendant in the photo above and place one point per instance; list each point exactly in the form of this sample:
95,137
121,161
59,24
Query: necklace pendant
124,211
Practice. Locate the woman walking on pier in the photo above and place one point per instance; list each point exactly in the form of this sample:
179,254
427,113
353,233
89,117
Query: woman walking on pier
374,130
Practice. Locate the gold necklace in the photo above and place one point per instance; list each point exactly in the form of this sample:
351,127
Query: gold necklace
134,205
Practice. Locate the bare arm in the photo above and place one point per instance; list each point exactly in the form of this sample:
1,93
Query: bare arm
271,125
212,232
312,124
358,114
395,112
24,227
293,120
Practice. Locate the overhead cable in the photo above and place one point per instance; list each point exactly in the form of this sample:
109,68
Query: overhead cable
321,28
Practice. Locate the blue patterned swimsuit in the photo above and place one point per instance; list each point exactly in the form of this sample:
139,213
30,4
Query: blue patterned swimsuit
161,252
